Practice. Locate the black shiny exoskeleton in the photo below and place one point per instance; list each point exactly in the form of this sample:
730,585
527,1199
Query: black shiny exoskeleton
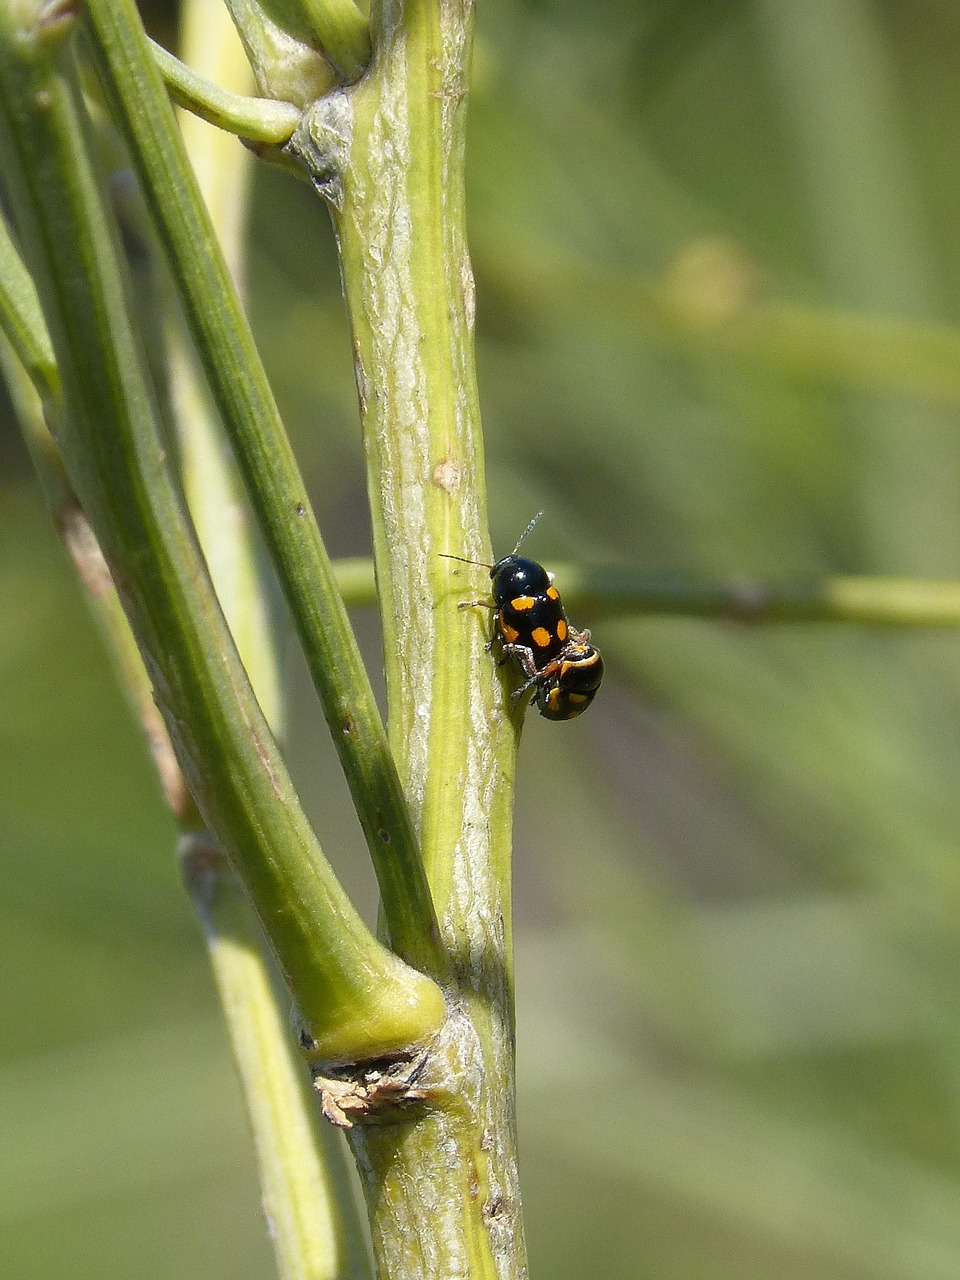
529,612
561,665
567,685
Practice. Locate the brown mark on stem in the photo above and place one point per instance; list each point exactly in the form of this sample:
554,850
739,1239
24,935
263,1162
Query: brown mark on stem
447,476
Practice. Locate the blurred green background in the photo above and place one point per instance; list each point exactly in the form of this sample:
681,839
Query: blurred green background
738,877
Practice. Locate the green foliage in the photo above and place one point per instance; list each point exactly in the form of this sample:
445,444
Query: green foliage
737,877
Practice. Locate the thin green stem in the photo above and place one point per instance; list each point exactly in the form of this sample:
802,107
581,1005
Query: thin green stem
301,49
74,529
872,601
357,999
256,119
22,319
310,1210
29,370
270,471
285,65
211,480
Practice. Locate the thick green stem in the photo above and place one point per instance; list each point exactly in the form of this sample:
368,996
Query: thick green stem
389,155
300,49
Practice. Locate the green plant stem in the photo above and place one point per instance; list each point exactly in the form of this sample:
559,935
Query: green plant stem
256,119
30,372
271,474
307,1201
602,593
286,65
869,601
388,154
409,292
306,1197
78,538
357,999
342,32
22,320
301,49
211,481
308,1206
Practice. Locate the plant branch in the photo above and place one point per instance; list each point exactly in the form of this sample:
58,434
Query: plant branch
342,32
270,471
356,998
869,601
301,49
254,119
84,551
22,319
606,593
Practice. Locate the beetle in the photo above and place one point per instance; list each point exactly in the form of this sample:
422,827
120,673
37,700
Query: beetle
562,667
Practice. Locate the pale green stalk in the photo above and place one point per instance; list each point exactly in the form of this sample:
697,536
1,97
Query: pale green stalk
211,481
33,384
306,1197
868,601
306,1193
341,31
301,49
285,64
640,593
256,119
442,1192
22,321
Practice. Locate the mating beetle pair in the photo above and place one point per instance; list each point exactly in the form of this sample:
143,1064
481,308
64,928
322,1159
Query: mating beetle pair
561,665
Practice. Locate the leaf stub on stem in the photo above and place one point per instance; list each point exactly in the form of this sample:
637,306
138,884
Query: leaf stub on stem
385,1092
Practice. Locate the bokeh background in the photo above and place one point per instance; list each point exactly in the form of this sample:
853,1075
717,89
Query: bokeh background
738,877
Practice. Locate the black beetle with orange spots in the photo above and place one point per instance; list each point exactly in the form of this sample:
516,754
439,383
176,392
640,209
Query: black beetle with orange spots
561,666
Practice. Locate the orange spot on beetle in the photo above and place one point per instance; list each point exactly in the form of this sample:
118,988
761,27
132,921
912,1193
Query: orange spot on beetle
523,603
541,637
561,630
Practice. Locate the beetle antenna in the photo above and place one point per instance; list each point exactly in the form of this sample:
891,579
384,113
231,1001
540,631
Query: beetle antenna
482,563
444,556
526,531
